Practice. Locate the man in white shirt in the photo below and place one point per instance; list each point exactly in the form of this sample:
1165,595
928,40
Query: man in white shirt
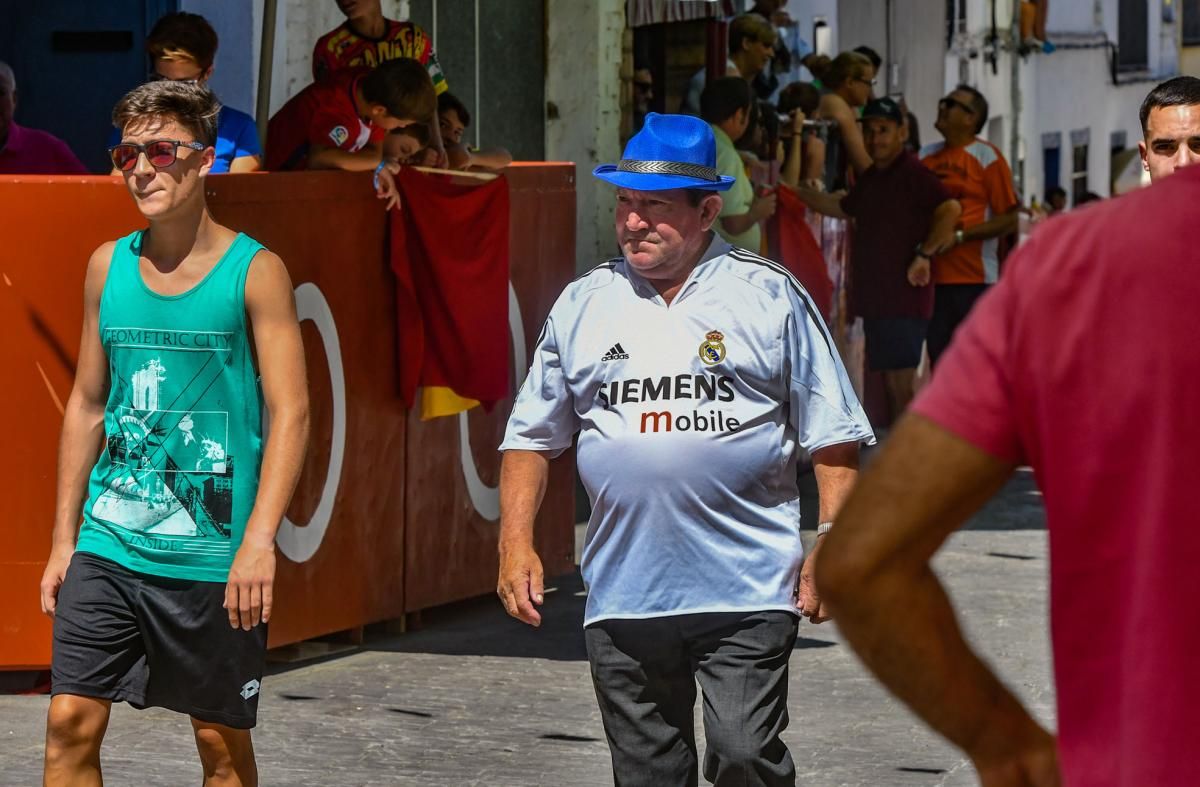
694,373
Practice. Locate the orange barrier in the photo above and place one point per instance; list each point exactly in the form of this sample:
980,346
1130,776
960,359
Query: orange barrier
387,518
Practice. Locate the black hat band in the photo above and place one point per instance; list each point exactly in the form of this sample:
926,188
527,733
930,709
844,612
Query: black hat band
669,168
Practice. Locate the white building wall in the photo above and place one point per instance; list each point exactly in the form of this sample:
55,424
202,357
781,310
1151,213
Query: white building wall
298,25
583,89
1068,90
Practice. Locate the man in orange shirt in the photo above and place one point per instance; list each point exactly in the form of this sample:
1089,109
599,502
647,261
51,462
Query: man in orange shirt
976,174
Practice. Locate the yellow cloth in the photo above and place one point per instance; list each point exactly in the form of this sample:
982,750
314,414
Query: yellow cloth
439,401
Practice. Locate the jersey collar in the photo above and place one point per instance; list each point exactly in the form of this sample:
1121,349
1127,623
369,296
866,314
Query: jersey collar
700,274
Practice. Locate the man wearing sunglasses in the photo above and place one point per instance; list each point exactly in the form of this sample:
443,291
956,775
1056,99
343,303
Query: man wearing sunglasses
161,597
976,174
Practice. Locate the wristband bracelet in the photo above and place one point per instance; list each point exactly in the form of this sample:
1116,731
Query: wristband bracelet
824,528
375,179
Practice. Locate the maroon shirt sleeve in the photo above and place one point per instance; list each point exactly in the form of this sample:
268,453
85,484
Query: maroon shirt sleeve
928,188
850,202
973,387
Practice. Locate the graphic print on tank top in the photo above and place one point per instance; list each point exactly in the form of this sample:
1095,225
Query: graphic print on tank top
170,476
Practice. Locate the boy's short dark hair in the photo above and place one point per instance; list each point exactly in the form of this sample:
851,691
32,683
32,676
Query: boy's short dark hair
402,87
183,36
418,131
803,96
870,54
192,106
448,102
723,97
1177,92
979,104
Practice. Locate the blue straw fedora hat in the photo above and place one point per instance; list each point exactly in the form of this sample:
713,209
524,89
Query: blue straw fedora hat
670,152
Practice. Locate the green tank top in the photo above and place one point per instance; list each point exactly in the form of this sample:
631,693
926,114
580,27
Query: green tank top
176,480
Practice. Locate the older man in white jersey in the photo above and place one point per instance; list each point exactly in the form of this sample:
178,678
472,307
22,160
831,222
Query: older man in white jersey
695,373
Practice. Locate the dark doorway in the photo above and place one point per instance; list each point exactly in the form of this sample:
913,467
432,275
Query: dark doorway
73,59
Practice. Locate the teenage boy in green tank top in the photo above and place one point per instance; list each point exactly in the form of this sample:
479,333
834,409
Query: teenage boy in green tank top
161,597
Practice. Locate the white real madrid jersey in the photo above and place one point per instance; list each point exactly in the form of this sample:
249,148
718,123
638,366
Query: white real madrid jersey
690,416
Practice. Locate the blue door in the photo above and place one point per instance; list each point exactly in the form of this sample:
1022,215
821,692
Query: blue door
73,60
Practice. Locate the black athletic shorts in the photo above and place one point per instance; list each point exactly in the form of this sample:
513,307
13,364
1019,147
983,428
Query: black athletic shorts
894,343
151,641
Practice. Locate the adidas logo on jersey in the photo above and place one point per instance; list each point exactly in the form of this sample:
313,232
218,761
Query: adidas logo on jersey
616,353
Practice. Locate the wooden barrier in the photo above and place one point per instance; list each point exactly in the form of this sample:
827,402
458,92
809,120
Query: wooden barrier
388,516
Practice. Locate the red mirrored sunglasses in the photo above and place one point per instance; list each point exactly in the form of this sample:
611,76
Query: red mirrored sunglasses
161,153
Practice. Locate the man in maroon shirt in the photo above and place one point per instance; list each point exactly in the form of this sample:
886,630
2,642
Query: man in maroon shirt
1081,362
27,151
903,215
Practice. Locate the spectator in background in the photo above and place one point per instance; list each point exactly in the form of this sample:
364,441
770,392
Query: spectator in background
340,123
725,105
913,143
818,66
411,141
365,40
850,79
454,120
643,96
803,150
751,45
1170,116
902,215
182,48
873,56
766,82
1056,200
27,151
979,178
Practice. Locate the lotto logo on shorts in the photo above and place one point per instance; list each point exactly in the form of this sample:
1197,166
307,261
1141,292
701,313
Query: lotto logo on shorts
250,689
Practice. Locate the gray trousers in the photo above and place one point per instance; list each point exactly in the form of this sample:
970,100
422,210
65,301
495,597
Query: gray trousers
645,673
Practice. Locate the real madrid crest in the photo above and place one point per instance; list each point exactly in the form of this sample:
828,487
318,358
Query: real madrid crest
712,350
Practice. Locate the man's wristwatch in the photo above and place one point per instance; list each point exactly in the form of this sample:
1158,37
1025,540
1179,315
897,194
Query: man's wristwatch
824,528
958,237
922,253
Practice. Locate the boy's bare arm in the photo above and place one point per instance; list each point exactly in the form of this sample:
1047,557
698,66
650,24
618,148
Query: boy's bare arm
82,430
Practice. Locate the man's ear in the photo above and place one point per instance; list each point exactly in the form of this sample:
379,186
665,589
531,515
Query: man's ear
207,159
710,209
1144,152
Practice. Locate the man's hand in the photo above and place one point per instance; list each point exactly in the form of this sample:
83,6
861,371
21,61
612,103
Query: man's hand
385,185
919,272
52,577
520,585
795,125
763,206
248,591
809,603
1035,765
